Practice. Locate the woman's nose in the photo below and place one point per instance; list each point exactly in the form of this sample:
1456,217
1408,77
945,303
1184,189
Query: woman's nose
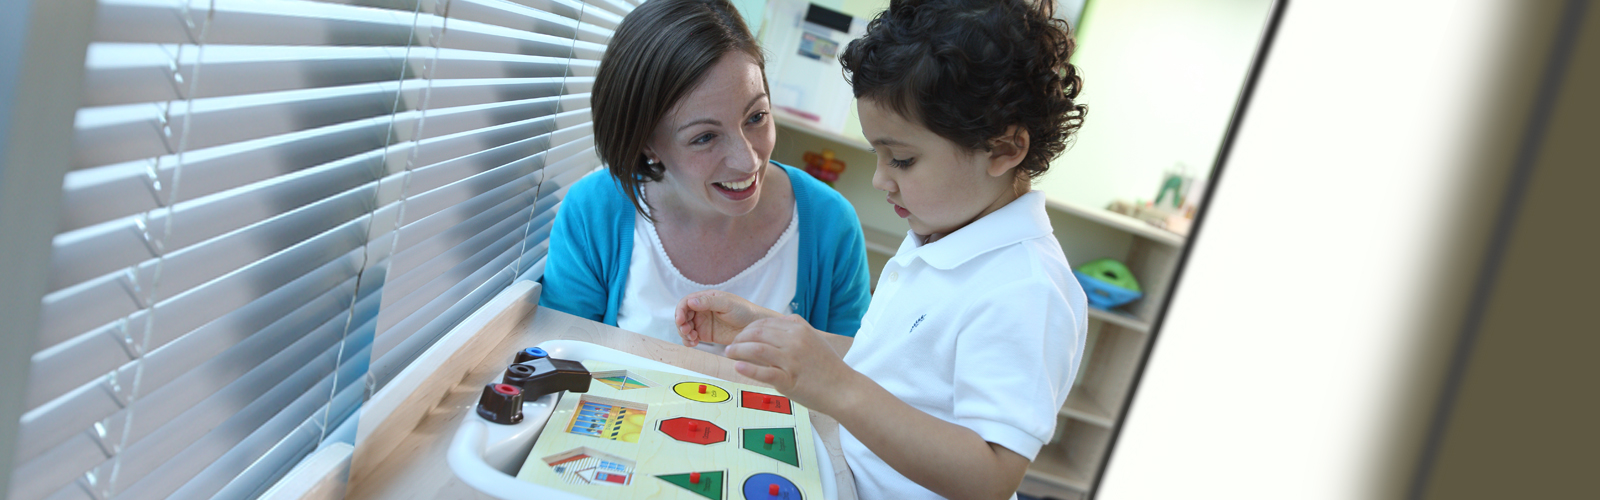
745,157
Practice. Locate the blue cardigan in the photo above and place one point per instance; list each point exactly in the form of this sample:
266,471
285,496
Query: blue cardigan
591,246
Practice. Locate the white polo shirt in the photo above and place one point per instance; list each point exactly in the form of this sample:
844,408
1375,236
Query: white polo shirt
983,328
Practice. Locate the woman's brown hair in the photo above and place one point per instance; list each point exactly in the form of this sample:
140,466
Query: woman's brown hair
659,53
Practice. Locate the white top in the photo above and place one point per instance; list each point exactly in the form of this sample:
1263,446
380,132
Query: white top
983,328
655,286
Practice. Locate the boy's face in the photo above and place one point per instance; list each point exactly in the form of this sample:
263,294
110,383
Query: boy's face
936,185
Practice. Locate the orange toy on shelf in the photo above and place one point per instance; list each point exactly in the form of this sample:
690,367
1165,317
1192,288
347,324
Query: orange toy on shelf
823,166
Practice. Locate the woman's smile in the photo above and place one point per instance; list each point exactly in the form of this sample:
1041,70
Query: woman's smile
737,189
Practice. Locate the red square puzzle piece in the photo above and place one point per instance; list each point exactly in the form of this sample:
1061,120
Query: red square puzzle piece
764,402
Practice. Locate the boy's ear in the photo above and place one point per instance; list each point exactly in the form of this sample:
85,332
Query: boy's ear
1008,151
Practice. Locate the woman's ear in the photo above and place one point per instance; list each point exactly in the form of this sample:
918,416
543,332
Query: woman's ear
1008,151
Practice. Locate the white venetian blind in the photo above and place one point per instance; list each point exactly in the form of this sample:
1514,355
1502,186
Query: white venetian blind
277,204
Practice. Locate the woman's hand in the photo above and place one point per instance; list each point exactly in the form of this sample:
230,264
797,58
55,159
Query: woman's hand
792,357
716,316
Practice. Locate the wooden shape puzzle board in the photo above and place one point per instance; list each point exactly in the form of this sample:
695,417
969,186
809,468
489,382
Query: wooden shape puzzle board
645,434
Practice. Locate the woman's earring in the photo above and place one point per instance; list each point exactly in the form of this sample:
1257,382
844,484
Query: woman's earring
649,161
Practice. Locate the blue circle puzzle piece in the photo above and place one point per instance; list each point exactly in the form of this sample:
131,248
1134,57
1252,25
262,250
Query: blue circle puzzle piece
759,487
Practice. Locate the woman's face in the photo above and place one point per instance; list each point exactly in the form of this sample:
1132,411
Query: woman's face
716,141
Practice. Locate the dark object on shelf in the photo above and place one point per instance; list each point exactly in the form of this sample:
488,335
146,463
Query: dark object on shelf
501,404
530,354
541,376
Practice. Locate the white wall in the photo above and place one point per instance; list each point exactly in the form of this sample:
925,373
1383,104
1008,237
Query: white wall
1160,79
1292,354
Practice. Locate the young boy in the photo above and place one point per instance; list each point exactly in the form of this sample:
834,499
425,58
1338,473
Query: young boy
975,331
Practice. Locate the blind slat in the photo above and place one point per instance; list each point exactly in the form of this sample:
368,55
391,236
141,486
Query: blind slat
108,193
269,417
143,72
100,302
93,252
357,176
65,367
82,407
252,471
259,386
403,311
257,22
128,73
103,194
259,220
513,223
429,322
478,226
472,199
116,134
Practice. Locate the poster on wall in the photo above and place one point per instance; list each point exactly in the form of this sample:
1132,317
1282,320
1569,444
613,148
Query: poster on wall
803,42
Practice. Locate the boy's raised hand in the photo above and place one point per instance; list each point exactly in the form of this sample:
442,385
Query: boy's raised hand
792,357
715,316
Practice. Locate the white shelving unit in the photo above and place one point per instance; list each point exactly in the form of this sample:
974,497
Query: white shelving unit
1067,467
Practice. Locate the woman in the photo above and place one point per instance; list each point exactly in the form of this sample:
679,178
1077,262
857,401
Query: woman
692,201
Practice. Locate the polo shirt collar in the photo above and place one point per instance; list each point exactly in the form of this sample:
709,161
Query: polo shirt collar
1021,220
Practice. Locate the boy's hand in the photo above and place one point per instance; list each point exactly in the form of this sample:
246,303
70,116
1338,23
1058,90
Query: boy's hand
790,355
715,316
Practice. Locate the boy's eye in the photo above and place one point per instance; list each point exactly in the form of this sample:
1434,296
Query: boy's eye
899,163
703,138
757,118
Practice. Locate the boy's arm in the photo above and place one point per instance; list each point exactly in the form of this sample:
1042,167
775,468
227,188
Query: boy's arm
949,459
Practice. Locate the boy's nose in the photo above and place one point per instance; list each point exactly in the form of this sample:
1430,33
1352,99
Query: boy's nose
880,179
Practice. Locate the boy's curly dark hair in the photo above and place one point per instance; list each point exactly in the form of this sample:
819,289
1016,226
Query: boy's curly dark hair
968,69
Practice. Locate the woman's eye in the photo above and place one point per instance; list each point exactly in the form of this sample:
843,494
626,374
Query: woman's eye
758,118
899,163
703,138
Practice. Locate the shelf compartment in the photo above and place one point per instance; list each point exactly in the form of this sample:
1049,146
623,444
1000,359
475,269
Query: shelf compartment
802,125
1118,221
1083,406
1074,461
1119,318
1041,488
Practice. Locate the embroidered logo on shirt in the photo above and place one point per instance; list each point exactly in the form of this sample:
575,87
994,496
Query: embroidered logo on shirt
918,322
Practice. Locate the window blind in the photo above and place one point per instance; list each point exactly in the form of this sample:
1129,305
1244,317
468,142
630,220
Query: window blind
273,207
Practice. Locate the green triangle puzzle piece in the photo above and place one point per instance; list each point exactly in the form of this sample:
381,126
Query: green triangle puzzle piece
782,448
710,485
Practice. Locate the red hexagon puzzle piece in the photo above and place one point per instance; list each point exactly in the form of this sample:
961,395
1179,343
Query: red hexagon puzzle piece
693,430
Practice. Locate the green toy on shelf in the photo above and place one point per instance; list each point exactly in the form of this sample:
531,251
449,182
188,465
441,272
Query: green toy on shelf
1108,283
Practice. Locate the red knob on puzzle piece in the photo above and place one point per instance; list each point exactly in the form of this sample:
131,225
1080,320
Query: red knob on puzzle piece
702,388
772,489
694,478
768,439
